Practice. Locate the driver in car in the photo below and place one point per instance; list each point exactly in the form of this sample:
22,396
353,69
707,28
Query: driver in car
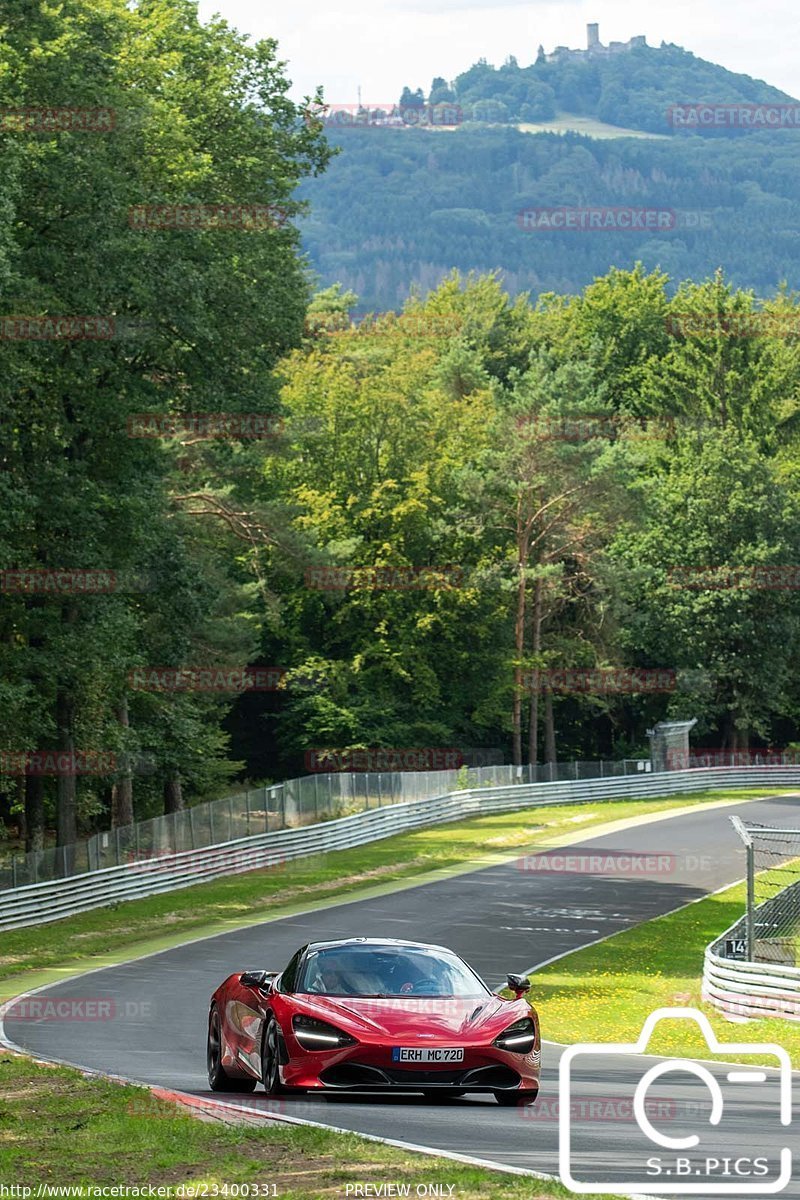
327,980
340,976
431,979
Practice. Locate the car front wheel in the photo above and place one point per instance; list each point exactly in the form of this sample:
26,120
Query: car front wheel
270,1060
218,1078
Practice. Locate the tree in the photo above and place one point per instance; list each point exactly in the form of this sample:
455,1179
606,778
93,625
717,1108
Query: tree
718,513
410,99
549,495
195,320
441,92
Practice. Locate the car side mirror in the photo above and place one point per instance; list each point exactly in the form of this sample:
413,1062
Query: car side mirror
519,984
257,979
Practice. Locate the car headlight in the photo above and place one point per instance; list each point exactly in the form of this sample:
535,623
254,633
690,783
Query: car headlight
319,1035
519,1037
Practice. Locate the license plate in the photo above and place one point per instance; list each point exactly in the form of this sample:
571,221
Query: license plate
426,1054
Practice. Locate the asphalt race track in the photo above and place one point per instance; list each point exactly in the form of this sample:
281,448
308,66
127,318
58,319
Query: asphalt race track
501,919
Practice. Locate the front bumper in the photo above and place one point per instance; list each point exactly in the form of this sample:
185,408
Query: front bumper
369,1067
355,1076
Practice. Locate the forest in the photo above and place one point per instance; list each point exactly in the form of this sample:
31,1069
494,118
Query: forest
400,207
249,523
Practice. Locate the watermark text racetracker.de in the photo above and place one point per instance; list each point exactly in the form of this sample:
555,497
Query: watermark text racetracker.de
718,756
601,680
201,1190
186,217
700,115
384,758
386,115
382,325
155,862
383,578
56,328
626,863
58,762
206,679
755,577
41,581
205,426
41,1007
57,120
597,218
577,427
755,323
604,1109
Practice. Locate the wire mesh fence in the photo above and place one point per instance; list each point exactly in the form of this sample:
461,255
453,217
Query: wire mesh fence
288,805
771,926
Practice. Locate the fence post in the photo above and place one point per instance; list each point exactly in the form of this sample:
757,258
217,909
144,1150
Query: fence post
191,827
749,918
13,870
316,798
35,858
247,810
230,818
116,843
211,821
751,902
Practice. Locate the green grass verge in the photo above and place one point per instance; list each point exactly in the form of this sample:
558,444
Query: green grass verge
58,1127
142,926
604,993
589,126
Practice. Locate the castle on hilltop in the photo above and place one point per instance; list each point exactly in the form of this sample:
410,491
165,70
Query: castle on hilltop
594,47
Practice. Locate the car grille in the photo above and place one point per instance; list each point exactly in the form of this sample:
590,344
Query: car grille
360,1075
417,1076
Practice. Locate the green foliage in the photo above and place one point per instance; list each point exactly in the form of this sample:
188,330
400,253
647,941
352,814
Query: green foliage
199,319
578,451
434,440
401,206
633,88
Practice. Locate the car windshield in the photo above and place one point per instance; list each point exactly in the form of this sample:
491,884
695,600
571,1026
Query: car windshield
387,971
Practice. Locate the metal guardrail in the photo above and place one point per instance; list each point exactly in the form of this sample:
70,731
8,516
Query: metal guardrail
763,980
746,989
38,903
288,805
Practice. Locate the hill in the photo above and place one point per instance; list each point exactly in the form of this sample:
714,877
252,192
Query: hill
403,206
632,85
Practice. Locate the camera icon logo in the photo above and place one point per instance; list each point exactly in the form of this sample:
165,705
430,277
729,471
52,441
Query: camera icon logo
689,1164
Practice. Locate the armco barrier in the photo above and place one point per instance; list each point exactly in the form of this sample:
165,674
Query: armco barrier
37,903
741,988
287,805
746,989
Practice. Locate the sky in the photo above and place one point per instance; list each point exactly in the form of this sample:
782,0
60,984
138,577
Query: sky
381,45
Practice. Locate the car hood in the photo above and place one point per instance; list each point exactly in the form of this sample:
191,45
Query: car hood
397,1015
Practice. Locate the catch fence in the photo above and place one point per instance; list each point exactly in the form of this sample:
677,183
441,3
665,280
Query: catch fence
289,805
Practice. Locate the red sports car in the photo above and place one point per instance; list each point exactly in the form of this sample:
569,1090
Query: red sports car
367,1015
